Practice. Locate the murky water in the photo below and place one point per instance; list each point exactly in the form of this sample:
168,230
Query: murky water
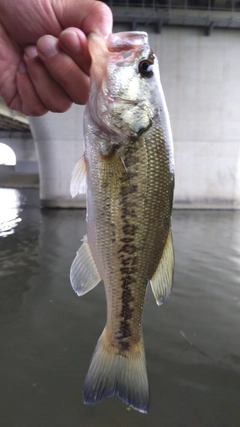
48,334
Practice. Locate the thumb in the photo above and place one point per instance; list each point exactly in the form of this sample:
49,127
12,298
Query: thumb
87,15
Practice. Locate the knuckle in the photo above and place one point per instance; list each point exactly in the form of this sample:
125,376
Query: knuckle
35,111
61,107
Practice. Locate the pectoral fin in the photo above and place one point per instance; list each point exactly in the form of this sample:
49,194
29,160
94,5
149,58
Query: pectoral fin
83,274
78,182
161,281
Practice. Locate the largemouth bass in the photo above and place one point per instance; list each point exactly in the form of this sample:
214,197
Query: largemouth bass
127,172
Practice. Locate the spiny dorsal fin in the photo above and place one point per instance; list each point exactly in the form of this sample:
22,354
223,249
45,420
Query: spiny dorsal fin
161,281
78,182
83,274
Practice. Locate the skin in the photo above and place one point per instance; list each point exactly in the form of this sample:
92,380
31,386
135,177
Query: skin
44,57
129,174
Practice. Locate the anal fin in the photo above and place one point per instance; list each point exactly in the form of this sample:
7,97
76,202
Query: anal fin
162,279
83,273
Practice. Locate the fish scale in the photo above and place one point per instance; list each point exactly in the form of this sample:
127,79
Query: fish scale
128,164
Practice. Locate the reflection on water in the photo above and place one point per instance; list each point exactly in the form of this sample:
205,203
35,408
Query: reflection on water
19,233
48,334
10,201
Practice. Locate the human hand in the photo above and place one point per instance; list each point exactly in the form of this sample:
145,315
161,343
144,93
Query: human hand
44,58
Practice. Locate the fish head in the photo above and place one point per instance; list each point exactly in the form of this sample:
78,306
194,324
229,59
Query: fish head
124,83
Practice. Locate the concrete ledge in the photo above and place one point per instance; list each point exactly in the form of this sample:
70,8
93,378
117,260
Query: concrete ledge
206,205
18,180
76,203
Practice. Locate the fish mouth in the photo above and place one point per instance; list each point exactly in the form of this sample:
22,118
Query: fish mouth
124,41
119,48
124,47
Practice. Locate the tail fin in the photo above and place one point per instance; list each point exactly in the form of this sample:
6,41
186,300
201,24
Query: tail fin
113,373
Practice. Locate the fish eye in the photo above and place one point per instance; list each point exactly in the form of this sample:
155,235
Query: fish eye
145,68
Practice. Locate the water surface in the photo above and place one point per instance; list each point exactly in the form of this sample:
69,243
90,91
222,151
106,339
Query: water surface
48,334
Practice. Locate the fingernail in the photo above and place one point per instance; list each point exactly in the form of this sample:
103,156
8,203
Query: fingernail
70,40
30,51
22,68
48,46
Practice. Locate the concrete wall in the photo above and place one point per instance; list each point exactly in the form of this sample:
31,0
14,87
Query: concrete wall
201,80
24,149
59,145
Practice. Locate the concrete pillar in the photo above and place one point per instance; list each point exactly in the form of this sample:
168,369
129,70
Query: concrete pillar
200,78
59,145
